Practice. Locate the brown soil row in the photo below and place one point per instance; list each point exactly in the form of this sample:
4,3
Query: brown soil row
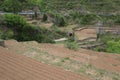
85,33
109,62
18,67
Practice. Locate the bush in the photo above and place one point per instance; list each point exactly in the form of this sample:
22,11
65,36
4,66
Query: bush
45,35
57,33
88,19
60,21
117,19
14,21
113,47
22,31
57,18
1,19
27,33
44,19
6,35
72,45
30,33
76,15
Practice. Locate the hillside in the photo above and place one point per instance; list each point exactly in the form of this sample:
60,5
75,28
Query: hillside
95,65
18,67
60,40
94,6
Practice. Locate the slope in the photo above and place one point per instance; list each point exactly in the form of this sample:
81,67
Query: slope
18,67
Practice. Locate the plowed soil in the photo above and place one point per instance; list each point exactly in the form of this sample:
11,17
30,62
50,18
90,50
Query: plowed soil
18,67
110,62
85,33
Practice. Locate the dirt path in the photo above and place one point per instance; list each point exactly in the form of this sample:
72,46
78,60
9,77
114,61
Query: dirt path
18,67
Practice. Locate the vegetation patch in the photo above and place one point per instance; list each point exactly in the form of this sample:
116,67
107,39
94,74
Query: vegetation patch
16,27
111,43
72,45
113,47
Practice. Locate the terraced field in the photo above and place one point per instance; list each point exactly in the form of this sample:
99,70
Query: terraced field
94,65
100,66
82,5
86,33
18,67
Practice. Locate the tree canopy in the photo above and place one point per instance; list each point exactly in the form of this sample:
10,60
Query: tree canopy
18,5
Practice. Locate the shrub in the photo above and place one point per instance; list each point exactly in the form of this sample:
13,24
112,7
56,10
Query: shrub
72,45
14,21
6,35
44,19
113,46
45,35
1,19
27,33
117,20
75,15
22,31
88,19
57,33
109,36
60,20
34,33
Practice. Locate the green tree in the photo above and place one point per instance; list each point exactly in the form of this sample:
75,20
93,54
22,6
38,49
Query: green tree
12,6
19,5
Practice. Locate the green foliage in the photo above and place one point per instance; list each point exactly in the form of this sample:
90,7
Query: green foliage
6,35
88,19
22,31
57,33
111,43
45,17
1,19
14,21
16,6
75,15
85,11
108,36
93,6
30,33
27,33
117,19
60,20
84,19
12,6
46,35
113,46
39,34
35,3
72,45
